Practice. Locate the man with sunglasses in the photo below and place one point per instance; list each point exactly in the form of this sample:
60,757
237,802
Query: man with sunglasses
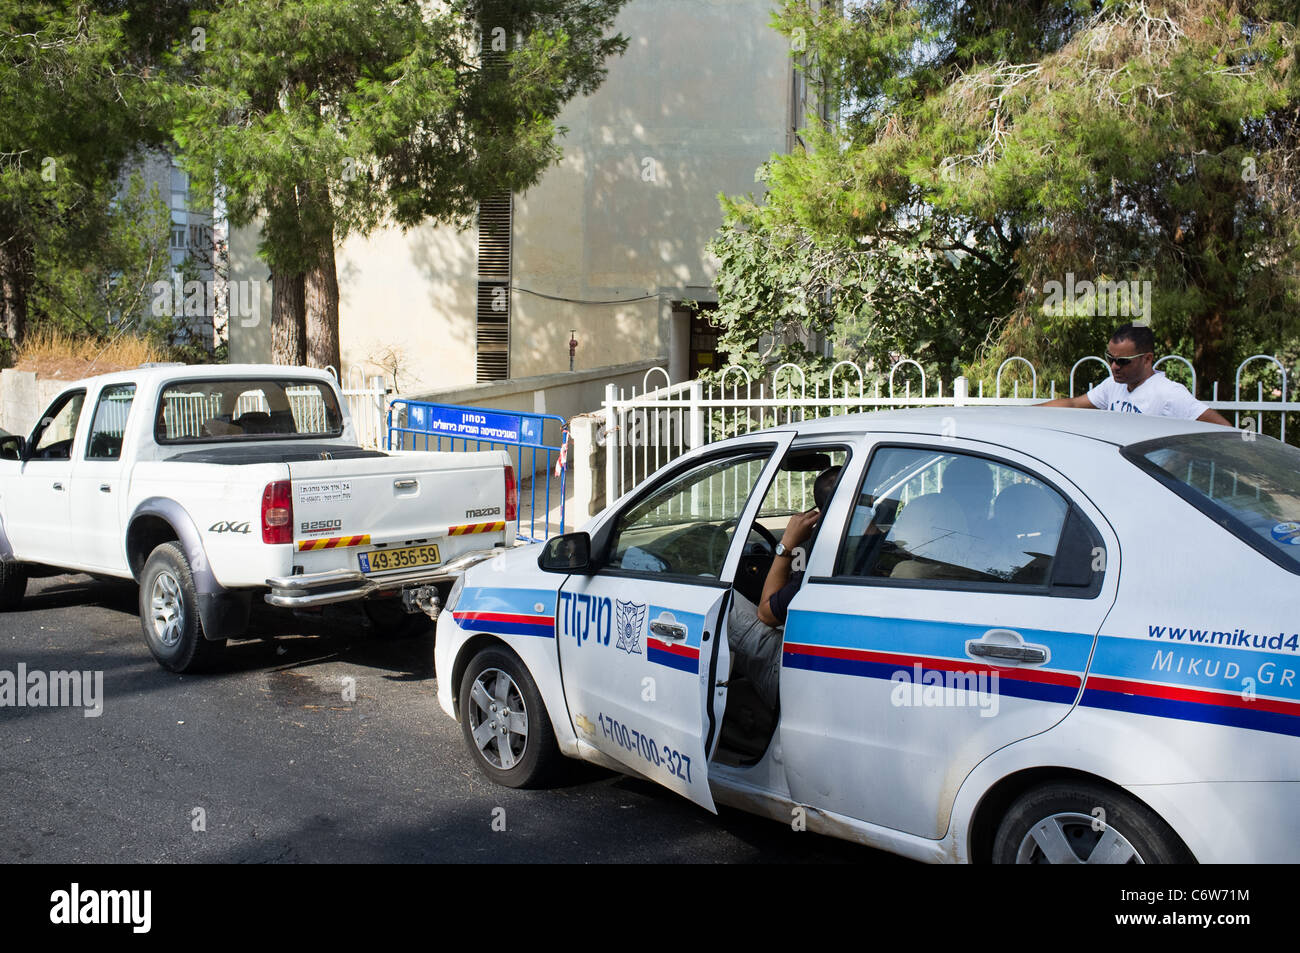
1135,386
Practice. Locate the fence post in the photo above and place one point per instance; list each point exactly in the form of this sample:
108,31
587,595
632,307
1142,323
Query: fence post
697,414
611,443
960,391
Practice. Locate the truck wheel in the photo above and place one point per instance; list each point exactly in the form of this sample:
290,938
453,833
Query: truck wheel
390,621
169,613
504,721
1084,823
13,585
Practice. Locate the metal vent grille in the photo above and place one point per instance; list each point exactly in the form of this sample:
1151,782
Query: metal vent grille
494,237
493,306
493,331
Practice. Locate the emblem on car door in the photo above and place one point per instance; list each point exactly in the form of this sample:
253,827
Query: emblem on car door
629,619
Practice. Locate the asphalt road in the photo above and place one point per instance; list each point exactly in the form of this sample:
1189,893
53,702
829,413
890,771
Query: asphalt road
265,761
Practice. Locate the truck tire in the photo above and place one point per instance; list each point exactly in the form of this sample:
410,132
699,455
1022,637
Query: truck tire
13,585
169,613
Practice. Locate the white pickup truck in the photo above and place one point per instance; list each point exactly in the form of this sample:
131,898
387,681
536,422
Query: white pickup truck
210,485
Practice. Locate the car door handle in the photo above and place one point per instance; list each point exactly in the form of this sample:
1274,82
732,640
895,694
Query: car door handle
105,488
59,487
1014,653
405,484
670,631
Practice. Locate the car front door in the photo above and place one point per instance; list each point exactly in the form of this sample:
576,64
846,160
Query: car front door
642,642
953,612
38,507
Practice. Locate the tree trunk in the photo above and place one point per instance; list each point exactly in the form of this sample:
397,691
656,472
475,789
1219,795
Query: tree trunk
321,287
288,340
15,282
321,307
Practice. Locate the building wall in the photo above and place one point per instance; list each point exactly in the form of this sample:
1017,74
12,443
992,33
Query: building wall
698,101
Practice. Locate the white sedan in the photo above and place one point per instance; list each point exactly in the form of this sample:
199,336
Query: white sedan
1023,635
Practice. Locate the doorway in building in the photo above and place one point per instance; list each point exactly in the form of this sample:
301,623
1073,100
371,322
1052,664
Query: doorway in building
702,347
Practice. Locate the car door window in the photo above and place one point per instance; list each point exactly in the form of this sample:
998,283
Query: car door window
929,514
109,423
685,526
58,428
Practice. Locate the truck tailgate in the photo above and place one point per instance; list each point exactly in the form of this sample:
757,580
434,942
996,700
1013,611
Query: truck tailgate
345,508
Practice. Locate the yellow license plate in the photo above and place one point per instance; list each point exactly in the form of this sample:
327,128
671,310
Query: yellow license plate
383,560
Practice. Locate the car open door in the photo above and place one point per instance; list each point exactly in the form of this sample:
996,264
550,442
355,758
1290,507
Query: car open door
643,640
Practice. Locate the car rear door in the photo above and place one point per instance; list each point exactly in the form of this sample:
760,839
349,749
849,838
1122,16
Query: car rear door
954,612
642,642
97,493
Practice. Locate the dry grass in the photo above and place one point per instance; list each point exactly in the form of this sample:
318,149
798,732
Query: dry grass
52,353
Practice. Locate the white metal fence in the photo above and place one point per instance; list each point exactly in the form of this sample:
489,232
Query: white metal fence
642,433
367,406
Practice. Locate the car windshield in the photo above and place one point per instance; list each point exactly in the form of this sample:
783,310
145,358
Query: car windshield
1248,483
217,410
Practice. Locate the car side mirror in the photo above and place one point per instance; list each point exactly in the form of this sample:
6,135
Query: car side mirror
570,553
12,448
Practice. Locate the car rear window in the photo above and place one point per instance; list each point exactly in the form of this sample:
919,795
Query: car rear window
1248,483
218,410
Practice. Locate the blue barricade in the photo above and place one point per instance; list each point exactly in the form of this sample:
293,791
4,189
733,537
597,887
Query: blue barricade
536,444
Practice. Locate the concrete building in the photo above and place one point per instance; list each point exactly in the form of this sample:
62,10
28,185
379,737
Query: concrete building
609,248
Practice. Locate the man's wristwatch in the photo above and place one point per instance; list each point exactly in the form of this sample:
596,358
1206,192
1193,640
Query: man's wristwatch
782,551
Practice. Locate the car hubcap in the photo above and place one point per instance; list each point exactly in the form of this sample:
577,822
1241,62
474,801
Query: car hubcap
166,609
1069,838
498,719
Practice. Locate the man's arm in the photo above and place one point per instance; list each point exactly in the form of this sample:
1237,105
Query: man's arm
1214,417
796,534
1081,401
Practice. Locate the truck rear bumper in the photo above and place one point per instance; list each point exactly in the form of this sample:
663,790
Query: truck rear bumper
347,585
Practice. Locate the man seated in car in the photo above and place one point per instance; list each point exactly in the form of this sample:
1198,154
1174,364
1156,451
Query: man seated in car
754,632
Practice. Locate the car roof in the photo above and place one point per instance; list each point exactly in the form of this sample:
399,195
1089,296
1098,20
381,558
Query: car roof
1008,425
146,374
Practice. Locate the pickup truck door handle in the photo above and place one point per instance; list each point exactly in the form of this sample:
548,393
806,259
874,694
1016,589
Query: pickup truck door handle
405,484
669,631
59,487
105,488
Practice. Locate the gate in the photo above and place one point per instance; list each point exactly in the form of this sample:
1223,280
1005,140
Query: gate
536,444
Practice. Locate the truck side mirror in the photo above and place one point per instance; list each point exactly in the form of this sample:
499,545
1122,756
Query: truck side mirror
12,448
569,553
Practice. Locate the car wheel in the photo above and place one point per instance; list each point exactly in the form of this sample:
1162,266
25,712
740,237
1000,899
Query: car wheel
504,721
169,613
390,621
1083,823
13,585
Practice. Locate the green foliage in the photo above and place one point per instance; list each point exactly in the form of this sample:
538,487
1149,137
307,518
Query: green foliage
1127,141
95,271
332,116
75,103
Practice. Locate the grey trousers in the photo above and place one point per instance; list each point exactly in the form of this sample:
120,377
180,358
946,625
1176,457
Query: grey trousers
755,649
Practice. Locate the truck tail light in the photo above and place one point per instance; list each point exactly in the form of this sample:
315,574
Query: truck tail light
277,513
512,495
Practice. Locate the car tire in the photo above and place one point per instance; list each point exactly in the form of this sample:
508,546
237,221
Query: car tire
13,585
390,621
521,752
169,613
1082,822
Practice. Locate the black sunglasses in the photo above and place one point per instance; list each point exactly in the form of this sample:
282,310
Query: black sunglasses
1124,361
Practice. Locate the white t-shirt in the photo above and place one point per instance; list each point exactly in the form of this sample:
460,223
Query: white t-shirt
1156,395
